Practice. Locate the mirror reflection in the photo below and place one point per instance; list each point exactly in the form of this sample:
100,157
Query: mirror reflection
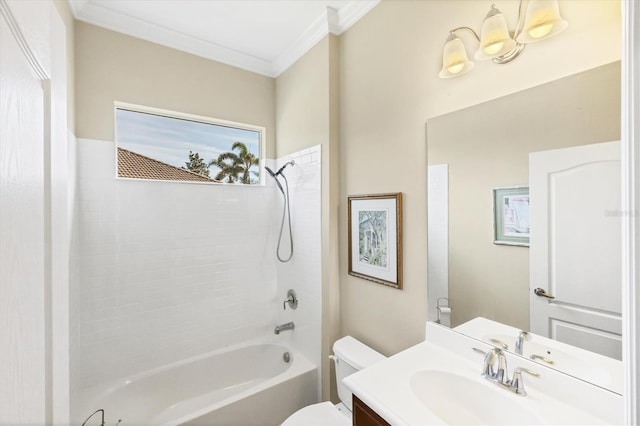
559,140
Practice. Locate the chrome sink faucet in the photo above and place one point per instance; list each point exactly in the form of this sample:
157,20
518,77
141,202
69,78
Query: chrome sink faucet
522,336
284,327
494,368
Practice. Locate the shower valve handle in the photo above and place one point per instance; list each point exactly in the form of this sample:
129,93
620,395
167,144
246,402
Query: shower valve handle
291,299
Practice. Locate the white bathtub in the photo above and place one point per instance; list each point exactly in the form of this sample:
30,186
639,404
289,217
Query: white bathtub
242,385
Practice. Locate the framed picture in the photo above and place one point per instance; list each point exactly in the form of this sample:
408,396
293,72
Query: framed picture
511,216
375,238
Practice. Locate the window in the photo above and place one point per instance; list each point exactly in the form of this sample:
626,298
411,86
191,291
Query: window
163,145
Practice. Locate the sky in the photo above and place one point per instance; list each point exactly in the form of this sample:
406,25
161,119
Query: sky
169,139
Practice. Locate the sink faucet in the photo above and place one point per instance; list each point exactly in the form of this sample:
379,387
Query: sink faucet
494,368
498,374
520,341
284,327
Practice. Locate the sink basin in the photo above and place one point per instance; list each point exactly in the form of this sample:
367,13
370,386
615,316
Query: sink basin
460,400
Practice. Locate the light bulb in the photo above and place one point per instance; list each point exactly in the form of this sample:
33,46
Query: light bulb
455,68
493,48
454,58
541,30
495,39
542,20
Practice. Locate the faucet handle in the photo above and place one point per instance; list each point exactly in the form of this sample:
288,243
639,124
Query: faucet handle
516,382
501,372
292,300
489,360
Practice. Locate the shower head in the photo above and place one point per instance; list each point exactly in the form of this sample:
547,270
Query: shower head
292,163
274,175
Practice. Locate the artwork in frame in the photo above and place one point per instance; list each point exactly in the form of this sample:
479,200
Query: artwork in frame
375,238
511,216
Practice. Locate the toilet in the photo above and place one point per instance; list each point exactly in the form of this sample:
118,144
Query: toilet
350,356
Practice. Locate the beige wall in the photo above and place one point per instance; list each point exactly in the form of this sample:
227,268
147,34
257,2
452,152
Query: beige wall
389,88
115,67
486,146
307,114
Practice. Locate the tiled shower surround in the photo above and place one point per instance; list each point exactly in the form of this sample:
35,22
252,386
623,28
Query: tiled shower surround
172,270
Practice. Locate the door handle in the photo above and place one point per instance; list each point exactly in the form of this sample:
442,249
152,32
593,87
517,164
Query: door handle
540,292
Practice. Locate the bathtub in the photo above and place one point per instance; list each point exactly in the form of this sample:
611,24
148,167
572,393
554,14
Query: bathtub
241,385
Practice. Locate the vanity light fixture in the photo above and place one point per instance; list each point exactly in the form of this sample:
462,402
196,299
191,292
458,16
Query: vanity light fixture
542,20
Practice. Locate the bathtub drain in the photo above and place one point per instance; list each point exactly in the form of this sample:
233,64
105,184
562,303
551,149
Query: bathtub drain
286,357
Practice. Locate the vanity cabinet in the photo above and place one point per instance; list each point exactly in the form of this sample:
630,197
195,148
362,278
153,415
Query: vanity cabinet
363,415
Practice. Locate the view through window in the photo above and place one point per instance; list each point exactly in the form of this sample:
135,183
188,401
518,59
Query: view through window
163,145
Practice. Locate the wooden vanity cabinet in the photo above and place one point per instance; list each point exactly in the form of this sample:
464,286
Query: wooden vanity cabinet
363,415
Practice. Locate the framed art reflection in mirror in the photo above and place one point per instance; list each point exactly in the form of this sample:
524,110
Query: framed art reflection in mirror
511,216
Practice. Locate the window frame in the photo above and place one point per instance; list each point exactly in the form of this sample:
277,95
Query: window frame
261,130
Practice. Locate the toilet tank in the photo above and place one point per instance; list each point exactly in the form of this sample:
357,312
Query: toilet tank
351,356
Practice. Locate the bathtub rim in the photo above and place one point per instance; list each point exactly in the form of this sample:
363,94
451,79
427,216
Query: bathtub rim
87,398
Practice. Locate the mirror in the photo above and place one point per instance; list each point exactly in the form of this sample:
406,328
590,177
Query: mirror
473,151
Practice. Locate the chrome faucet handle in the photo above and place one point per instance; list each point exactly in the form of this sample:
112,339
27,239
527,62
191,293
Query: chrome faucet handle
287,300
292,300
488,362
501,373
530,372
499,343
517,384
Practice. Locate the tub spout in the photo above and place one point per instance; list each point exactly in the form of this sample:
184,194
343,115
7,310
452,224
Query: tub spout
284,327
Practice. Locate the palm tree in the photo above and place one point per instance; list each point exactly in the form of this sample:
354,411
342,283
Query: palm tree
236,166
196,164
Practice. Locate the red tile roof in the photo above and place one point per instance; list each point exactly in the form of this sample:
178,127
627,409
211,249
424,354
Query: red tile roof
134,165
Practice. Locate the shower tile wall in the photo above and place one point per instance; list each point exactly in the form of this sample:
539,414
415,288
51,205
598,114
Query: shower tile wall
169,270
303,273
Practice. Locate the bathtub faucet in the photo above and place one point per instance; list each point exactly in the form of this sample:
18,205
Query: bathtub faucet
284,327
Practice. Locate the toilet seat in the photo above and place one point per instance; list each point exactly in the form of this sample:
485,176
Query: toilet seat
321,414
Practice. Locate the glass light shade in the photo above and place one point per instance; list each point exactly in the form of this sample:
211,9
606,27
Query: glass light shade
542,20
454,58
494,37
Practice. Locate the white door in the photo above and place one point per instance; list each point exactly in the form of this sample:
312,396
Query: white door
22,234
575,291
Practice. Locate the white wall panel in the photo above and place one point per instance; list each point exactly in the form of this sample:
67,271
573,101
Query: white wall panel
167,270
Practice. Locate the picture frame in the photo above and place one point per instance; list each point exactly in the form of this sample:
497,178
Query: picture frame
375,238
511,207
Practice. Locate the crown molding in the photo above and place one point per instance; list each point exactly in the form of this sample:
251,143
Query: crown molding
330,21
309,38
76,6
105,18
352,12
37,59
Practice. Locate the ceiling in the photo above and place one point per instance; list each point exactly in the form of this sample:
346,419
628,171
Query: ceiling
263,36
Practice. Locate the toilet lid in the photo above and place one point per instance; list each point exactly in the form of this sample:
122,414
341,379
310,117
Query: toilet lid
322,414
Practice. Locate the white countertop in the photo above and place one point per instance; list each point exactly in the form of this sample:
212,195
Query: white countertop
555,397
